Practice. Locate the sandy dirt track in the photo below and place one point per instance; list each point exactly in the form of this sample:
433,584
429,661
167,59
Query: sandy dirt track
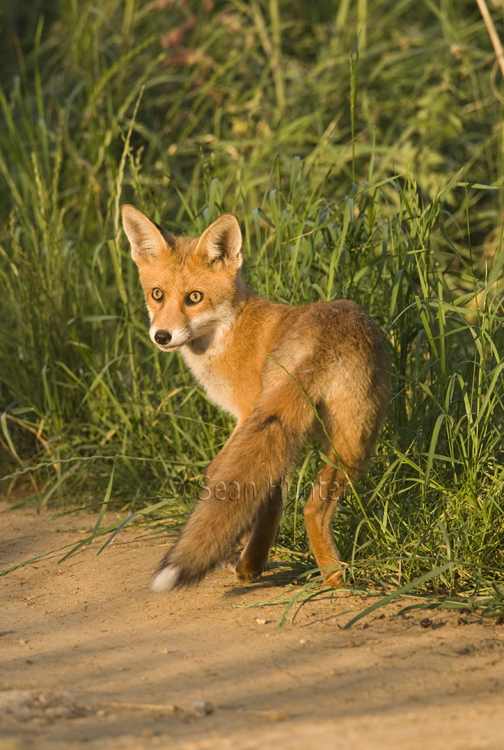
90,658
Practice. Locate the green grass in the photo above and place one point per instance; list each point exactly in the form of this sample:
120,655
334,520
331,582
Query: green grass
374,176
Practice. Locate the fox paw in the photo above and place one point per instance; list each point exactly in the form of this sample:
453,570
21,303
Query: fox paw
237,565
335,579
242,574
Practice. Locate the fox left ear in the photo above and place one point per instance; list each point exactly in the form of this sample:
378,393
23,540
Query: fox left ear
222,242
148,241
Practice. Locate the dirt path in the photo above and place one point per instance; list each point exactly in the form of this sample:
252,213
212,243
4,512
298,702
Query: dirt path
89,657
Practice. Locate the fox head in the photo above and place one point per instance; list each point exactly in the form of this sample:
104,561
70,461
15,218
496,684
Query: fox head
191,286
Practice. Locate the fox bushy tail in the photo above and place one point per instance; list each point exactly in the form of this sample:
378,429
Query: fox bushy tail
256,457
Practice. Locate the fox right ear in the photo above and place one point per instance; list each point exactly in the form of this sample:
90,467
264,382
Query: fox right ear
147,240
222,241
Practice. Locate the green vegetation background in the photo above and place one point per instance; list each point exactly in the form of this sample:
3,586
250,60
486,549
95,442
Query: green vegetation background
374,175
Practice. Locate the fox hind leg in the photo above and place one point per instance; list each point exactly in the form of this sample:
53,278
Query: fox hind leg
354,435
252,561
353,423
352,451
319,512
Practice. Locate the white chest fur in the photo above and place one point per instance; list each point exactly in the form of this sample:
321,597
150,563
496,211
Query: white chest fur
216,386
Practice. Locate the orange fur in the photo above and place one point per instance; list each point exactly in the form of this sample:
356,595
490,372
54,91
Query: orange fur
328,356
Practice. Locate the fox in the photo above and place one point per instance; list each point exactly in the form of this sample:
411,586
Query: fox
285,373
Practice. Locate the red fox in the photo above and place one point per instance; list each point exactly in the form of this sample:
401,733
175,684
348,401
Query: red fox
283,372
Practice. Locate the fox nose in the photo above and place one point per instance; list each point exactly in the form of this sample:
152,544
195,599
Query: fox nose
162,338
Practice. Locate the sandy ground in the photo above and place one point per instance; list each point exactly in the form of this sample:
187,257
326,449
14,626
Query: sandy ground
89,657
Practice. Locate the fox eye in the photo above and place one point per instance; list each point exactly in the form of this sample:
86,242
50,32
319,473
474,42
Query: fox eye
157,294
194,297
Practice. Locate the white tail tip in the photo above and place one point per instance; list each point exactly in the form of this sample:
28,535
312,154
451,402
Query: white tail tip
165,579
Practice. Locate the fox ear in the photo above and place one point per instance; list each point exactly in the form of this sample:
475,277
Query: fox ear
222,241
147,240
